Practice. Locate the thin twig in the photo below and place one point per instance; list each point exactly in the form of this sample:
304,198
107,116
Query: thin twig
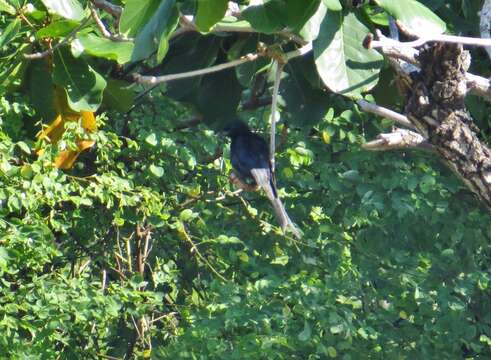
274,106
150,80
40,55
102,28
444,38
195,249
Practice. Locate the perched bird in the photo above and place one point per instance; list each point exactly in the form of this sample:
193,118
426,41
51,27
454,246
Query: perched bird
250,159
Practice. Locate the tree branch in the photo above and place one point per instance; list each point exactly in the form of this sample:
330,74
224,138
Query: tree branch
404,61
398,139
386,113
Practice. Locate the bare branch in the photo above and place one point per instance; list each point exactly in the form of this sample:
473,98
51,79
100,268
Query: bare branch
398,139
100,25
386,113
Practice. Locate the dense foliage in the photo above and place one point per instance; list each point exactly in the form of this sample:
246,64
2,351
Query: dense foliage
143,249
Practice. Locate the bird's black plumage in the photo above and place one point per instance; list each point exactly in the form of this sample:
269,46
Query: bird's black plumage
250,159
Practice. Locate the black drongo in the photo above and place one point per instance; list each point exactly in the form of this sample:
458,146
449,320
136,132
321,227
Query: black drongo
250,159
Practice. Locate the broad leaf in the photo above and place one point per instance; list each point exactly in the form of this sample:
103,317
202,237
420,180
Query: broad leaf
414,15
344,65
311,28
83,85
218,97
136,14
209,13
305,104
154,35
101,47
68,9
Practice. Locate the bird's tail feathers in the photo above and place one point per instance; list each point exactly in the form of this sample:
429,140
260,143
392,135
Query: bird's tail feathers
281,215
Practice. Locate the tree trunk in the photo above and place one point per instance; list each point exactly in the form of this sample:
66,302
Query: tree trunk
435,105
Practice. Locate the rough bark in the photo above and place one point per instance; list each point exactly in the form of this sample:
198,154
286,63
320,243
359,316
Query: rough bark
435,105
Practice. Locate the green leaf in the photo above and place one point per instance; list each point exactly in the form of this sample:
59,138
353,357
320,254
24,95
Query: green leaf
151,139
281,260
333,5
136,14
57,29
6,7
154,35
265,18
306,332
24,147
68,9
158,171
414,15
310,30
83,85
344,65
10,32
186,215
119,51
209,13
118,95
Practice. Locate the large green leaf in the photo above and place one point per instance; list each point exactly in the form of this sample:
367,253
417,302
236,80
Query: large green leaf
83,85
191,52
311,28
9,33
136,14
154,35
101,47
305,104
344,65
209,13
68,9
414,15
218,97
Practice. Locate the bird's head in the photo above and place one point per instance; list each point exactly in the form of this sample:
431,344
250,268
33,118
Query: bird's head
235,128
